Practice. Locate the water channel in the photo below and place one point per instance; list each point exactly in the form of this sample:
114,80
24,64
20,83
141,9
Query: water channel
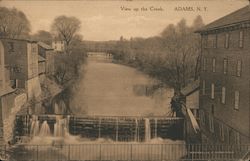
117,90
107,90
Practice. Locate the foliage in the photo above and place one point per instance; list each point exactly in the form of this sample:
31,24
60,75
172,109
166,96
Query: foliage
67,65
13,23
43,36
66,28
172,57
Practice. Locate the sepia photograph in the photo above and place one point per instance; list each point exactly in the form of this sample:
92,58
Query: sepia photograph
124,80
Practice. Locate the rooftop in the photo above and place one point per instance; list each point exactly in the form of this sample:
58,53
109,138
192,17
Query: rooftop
239,16
41,59
27,40
190,88
44,45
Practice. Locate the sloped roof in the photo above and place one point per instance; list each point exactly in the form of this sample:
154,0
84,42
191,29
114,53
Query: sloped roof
44,45
190,88
40,58
19,39
236,17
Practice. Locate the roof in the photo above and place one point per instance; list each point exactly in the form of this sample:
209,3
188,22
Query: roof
27,40
190,88
44,45
40,58
7,90
241,15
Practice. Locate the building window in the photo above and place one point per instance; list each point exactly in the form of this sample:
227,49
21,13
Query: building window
205,41
1,84
214,65
223,95
225,62
238,70
241,38
215,41
227,40
204,64
211,123
236,100
237,138
202,118
10,46
212,109
212,91
33,49
222,132
203,87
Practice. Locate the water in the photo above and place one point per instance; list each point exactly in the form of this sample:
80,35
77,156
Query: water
155,128
136,131
45,130
60,127
34,128
108,89
147,130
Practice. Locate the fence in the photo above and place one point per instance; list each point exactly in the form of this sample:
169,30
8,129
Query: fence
127,152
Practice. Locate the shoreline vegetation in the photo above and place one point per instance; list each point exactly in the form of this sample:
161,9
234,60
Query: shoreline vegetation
173,57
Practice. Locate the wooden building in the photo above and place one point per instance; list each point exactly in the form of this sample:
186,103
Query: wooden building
225,79
48,53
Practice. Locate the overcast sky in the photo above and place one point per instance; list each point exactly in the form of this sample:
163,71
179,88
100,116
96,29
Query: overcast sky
104,20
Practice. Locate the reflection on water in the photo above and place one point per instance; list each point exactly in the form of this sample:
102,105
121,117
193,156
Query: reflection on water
113,89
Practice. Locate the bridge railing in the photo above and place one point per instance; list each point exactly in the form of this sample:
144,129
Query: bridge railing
129,152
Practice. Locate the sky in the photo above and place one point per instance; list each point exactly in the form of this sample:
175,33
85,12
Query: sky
103,20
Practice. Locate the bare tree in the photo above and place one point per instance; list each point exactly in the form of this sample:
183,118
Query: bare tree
66,28
13,23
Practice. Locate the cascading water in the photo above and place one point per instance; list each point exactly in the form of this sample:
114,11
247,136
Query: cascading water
147,130
34,129
136,131
155,127
45,130
61,127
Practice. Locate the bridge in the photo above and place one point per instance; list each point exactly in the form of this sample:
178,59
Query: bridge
100,56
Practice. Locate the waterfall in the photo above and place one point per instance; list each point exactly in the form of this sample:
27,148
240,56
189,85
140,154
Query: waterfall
99,128
45,130
117,130
34,131
147,130
155,127
136,131
60,127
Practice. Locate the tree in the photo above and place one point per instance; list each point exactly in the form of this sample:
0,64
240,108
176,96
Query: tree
66,28
43,36
13,23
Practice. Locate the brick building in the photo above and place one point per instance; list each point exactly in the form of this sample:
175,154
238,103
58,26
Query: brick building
225,79
21,62
11,99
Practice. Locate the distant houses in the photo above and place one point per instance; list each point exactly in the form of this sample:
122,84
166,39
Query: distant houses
58,45
225,79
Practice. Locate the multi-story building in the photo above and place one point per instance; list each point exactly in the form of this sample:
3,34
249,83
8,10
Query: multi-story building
225,79
21,62
11,98
58,45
